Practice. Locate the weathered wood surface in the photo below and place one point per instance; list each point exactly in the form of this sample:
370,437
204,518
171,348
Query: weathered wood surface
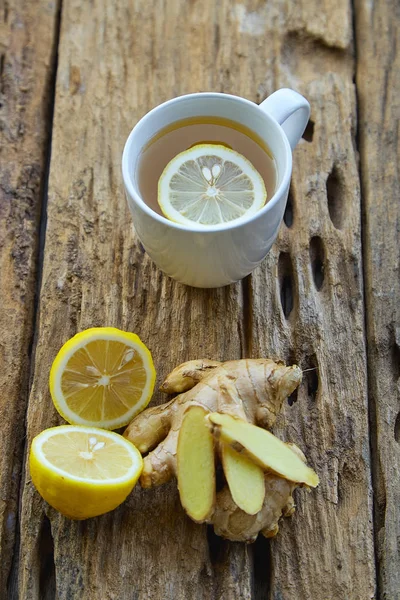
95,273
305,304
26,75
378,85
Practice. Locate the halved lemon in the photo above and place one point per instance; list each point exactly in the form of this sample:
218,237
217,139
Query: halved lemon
102,377
210,184
83,471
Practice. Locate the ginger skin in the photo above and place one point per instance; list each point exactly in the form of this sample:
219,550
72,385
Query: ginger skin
251,389
234,524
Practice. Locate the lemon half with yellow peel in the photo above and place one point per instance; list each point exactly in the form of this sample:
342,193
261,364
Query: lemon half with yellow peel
210,184
102,377
83,471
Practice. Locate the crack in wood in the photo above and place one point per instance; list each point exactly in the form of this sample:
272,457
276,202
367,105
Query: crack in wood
47,568
261,568
397,429
2,77
42,191
376,55
6,11
395,356
215,546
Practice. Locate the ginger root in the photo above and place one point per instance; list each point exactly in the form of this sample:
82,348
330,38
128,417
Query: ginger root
252,390
234,524
186,375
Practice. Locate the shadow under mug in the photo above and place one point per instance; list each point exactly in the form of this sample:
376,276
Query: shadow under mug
215,256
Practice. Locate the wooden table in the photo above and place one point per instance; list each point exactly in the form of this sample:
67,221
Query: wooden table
75,77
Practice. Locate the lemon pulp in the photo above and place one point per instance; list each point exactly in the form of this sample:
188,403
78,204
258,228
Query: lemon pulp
210,184
102,377
90,456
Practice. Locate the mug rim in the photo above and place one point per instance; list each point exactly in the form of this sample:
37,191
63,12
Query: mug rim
208,228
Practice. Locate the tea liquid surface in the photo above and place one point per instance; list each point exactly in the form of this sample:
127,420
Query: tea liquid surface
184,134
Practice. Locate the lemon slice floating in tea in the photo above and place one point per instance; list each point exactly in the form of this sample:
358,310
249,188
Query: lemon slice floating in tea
210,184
102,377
83,471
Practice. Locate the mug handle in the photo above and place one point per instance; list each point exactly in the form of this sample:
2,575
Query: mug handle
290,110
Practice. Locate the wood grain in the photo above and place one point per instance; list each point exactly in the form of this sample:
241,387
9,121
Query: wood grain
95,273
311,286
116,61
378,86
26,73
306,305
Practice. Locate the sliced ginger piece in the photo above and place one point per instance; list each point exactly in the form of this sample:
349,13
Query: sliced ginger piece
195,465
262,447
245,480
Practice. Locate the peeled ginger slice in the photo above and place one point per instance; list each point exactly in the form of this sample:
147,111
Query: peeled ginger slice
261,446
245,480
195,465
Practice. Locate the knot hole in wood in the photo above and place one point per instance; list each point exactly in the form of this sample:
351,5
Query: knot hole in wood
286,283
310,379
308,134
335,192
311,376
317,261
288,216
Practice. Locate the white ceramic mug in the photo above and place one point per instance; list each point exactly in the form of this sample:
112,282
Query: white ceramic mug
214,256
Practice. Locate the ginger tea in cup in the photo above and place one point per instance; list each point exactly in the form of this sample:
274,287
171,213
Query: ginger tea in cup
210,255
214,185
